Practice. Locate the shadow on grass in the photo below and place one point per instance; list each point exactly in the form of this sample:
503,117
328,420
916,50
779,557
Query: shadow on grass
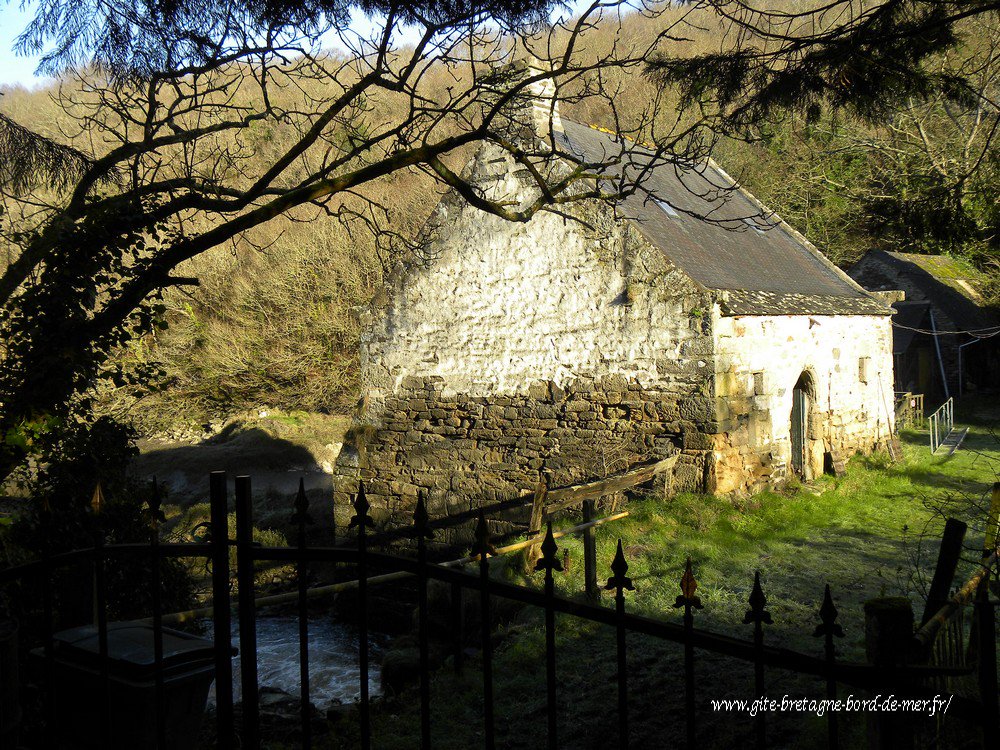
939,481
913,437
274,464
586,688
981,410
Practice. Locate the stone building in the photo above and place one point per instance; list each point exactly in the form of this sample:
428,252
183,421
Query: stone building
946,339
586,346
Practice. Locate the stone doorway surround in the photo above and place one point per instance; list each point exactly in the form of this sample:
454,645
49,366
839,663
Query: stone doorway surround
800,432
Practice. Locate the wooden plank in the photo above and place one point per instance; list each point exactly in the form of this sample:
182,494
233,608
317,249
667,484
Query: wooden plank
924,637
566,497
533,552
944,571
835,463
954,439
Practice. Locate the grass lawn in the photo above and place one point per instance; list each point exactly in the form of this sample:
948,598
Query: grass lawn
872,532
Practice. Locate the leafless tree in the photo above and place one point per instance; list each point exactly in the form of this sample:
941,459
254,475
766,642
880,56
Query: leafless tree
159,168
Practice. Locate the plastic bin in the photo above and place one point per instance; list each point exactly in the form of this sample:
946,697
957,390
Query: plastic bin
188,671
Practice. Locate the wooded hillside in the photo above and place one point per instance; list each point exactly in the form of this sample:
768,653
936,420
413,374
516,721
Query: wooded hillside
272,322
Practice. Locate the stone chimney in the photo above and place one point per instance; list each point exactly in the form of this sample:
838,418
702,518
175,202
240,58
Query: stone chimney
533,114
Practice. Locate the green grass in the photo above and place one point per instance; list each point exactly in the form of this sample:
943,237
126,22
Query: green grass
871,532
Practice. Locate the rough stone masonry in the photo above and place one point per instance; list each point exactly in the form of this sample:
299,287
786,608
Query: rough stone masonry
586,342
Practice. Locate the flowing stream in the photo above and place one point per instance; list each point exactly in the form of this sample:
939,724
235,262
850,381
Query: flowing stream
333,659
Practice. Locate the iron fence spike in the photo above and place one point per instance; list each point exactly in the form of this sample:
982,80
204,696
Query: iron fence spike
757,601
689,586
156,515
361,508
482,546
619,567
828,618
549,559
421,519
301,515
97,499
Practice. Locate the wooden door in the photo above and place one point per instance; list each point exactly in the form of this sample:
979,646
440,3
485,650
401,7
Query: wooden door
799,431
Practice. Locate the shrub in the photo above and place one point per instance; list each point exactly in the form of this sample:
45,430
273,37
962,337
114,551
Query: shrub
60,516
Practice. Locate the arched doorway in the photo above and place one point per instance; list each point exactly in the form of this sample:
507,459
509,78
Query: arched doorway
802,396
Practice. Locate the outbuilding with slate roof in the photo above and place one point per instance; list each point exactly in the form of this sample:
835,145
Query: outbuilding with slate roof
946,337
583,347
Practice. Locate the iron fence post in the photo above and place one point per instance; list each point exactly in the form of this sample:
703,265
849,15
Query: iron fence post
48,645
247,614
549,562
829,628
689,601
619,582
363,522
590,555
221,617
423,532
301,518
483,549
101,615
758,616
155,517
457,634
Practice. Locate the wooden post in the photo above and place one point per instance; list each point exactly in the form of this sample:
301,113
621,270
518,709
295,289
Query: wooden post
221,615
590,554
987,666
944,571
974,647
993,522
888,633
533,553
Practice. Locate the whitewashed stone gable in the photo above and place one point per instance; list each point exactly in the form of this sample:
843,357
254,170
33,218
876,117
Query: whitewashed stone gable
578,348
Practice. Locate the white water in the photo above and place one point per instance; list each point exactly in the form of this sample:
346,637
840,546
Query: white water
333,660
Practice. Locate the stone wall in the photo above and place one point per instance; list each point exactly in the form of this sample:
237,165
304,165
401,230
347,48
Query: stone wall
760,359
463,451
565,342
570,343
499,305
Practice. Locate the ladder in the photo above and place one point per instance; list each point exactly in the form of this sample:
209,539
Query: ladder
942,428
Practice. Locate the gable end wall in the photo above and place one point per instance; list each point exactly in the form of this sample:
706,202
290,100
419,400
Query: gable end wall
759,361
573,347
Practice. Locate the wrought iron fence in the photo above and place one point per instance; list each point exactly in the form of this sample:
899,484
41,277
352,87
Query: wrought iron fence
902,678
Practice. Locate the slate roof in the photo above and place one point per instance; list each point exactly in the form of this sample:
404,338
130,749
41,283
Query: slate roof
764,266
950,285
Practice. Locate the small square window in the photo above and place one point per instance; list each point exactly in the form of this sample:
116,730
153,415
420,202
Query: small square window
758,383
864,365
